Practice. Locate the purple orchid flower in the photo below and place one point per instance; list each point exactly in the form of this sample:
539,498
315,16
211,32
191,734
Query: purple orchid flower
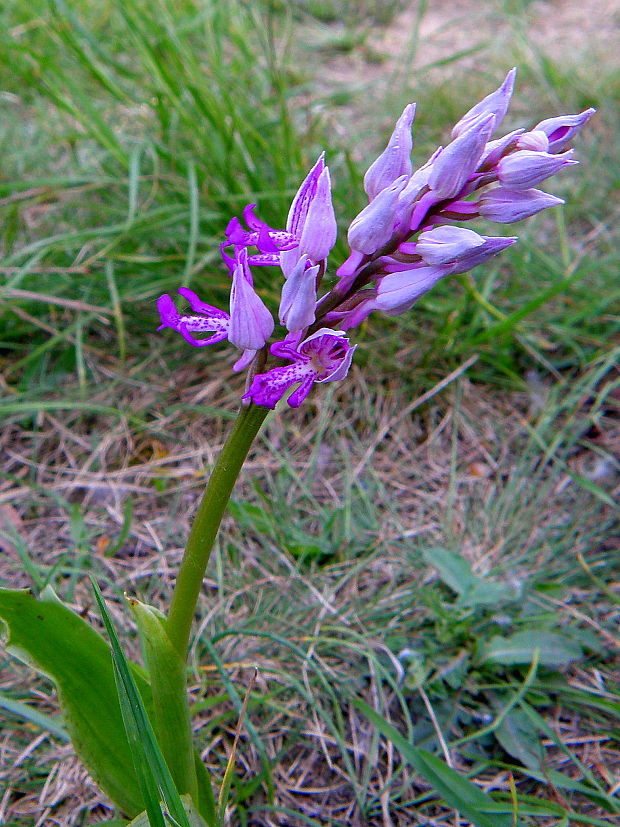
458,247
562,129
251,323
269,242
207,319
459,159
494,104
524,169
298,299
506,206
374,226
323,357
311,220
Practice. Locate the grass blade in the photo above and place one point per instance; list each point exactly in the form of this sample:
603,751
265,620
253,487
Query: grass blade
153,774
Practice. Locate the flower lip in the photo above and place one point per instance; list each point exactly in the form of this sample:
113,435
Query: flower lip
206,319
325,356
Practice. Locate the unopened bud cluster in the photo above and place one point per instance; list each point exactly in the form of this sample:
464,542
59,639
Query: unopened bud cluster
407,238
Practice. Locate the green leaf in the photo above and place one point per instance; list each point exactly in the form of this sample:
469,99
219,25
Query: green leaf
152,772
458,792
59,643
453,569
456,573
520,738
170,717
554,648
192,815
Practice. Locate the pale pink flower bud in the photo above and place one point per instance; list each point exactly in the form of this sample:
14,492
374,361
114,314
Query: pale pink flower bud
374,226
561,129
395,160
454,165
524,169
494,104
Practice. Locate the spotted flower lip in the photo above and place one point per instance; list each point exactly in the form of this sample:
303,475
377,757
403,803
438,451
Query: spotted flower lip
325,356
205,319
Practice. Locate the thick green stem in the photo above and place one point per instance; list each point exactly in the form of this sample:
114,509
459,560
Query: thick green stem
207,522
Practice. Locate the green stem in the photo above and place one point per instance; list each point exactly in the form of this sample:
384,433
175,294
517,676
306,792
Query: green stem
207,522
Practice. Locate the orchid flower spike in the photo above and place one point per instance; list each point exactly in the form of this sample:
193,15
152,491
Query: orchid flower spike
402,243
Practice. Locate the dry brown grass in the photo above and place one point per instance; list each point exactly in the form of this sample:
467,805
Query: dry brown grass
444,466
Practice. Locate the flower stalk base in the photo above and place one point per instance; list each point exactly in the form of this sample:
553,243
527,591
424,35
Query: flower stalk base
207,522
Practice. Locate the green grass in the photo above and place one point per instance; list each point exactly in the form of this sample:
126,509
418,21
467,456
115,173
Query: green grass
131,132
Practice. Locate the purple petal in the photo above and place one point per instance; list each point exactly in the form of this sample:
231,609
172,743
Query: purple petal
490,247
298,300
331,354
395,160
535,139
244,360
524,169
211,319
446,243
268,388
199,306
560,130
319,231
303,198
169,315
374,226
494,150
506,206
494,104
398,292
298,396
459,159
251,323
323,357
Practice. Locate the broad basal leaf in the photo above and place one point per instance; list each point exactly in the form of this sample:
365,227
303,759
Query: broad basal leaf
59,643
554,649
